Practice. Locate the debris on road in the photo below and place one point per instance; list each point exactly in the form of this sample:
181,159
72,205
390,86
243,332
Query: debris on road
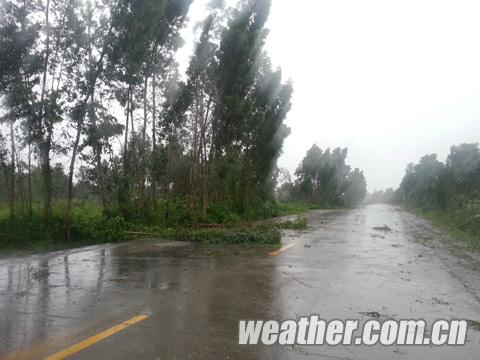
436,300
376,315
372,314
382,228
474,324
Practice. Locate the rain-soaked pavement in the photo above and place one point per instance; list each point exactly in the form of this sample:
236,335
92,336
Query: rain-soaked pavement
339,268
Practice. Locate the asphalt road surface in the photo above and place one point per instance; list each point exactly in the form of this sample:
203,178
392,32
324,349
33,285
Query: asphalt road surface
166,300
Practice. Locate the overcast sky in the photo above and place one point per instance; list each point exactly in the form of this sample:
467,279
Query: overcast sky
390,80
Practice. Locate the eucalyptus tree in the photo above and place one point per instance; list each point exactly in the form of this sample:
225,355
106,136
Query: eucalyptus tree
272,102
142,30
232,108
356,188
19,70
42,124
238,54
239,106
3,156
198,100
421,185
160,68
450,186
463,167
90,39
57,45
324,178
100,125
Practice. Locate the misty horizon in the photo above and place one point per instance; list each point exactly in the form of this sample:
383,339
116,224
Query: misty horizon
392,82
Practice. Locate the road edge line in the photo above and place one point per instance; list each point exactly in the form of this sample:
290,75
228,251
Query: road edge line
73,349
282,249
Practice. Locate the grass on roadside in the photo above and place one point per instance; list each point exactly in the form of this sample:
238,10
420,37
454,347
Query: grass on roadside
300,223
461,224
90,226
294,208
267,235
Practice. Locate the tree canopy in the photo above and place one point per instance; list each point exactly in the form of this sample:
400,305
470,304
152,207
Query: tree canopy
324,178
96,85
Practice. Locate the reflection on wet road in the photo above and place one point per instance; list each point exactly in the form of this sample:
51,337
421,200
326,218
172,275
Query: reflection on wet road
194,295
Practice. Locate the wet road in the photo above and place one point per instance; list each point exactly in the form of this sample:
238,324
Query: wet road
340,268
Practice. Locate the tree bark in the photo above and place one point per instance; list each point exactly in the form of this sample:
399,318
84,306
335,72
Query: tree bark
154,138
132,130
90,95
30,200
98,148
145,110
123,188
193,169
205,160
125,145
45,141
68,211
144,146
47,179
12,171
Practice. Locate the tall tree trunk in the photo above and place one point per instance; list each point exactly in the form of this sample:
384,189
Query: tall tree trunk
68,210
30,200
154,138
205,192
45,144
169,172
97,149
100,177
12,171
144,146
133,166
205,159
123,188
145,110
206,179
29,139
20,185
132,130
125,145
47,179
193,169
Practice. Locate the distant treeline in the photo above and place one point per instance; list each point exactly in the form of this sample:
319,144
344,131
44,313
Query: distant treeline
434,185
324,179
96,84
448,191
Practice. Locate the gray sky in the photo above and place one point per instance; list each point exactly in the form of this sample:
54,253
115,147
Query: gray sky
390,80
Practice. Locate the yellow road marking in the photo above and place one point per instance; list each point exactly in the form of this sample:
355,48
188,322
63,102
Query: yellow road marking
95,338
279,251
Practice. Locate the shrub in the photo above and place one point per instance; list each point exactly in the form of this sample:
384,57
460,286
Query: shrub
254,235
299,224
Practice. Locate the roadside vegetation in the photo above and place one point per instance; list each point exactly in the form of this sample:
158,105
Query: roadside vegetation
447,193
266,234
294,208
101,135
322,180
91,226
298,224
